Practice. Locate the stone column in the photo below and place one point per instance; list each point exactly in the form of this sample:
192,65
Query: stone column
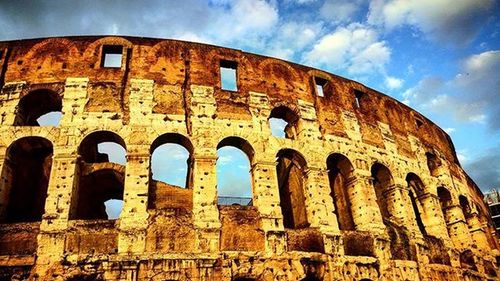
134,215
141,100
267,201
319,204
478,233
74,100
435,224
9,98
51,239
321,210
396,204
5,181
205,211
365,211
457,226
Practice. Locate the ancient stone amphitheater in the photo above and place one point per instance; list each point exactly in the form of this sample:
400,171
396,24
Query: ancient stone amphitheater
361,187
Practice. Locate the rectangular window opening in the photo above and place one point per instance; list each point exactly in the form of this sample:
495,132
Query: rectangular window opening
358,96
112,56
228,75
320,86
419,123
1,55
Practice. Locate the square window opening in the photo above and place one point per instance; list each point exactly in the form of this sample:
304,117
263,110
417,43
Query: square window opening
358,95
112,56
419,123
228,75
320,86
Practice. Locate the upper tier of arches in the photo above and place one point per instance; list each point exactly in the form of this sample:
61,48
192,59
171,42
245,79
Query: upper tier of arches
175,65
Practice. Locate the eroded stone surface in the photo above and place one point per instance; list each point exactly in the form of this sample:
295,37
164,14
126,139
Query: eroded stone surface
364,189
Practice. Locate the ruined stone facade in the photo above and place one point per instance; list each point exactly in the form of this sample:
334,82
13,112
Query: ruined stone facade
361,188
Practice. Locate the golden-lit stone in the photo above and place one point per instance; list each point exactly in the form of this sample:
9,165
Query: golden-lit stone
362,188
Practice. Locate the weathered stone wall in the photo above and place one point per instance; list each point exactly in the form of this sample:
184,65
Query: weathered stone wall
171,90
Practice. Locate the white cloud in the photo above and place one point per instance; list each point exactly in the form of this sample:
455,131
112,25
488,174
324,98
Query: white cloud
449,130
223,160
454,20
245,20
291,38
339,10
355,47
393,83
461,155
470,96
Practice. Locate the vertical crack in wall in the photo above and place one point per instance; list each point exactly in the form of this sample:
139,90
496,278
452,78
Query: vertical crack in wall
4,67
186,92
124,86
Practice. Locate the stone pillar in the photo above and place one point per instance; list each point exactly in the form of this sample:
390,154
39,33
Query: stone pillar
365,211
266,199
319,204
134,215
51,239
457,226
396,204
478,233
435,224
9,98
141,100
205,211
5,181
74,100
321,210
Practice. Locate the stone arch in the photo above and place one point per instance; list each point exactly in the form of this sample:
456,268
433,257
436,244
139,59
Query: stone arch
50,45
51,53
291,171
289,119
91,52
433,163
465,206
416,189
164,56
292,74
382,181
99,185
242,194
391,205
340,175
444,195
171,187
25,180
36,104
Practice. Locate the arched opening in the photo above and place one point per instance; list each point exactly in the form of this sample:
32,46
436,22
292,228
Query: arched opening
99,188
467,260
25,179
291,169
464,205
400,243
39,108
340,172
416,189
444,198
171,172
382,180
433,163
283,122
234,179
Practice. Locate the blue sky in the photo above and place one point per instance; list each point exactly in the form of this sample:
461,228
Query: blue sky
441,57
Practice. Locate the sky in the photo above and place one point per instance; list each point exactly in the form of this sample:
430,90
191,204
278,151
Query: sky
441,57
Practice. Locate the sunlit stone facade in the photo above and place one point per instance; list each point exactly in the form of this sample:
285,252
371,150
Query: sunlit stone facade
361,188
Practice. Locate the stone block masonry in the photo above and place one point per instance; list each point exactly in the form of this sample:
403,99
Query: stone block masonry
361,187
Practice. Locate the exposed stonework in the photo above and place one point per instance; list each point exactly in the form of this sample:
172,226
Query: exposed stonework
362,187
